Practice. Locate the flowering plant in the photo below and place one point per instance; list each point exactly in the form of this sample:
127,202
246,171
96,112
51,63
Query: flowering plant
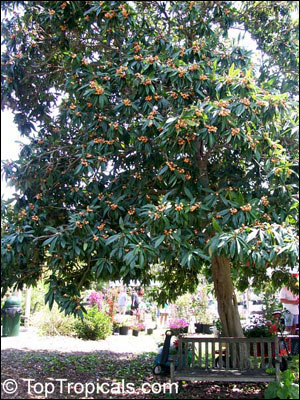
138,327
178,323
122,320
96,298
117,321
260,327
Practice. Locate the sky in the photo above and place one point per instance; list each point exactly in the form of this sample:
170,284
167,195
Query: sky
10,134
9,147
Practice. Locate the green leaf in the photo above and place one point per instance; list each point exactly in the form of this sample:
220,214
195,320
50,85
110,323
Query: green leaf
163,170
216,226
271,391
112,239
50,229
191,123
188,193
159,241
252,235
231,70
47,241
211,140
240,109
53,243
85,246
232,249
77,250
141,259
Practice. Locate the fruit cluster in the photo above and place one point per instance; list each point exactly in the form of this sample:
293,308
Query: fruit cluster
143,139
121,71
245,101
211,128
235,131
127,102
265,201
131,210
179,207
195,207
181,124
152,115
246,208
203,78
224,112
221,103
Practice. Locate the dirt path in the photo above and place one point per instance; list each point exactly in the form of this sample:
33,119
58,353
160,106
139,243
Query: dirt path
30,363
116,343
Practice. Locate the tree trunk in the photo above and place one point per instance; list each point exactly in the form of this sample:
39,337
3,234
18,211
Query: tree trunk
227,302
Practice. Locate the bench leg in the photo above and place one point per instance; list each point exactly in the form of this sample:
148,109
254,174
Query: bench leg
174,389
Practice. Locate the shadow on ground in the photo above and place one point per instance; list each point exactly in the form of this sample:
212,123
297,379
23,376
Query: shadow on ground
78,375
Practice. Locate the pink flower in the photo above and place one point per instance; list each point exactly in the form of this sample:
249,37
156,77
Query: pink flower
139,327
178,323
96,298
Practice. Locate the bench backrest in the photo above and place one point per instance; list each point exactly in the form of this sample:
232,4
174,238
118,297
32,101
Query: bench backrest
237,353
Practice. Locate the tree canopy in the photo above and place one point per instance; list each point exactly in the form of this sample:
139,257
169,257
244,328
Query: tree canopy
153,140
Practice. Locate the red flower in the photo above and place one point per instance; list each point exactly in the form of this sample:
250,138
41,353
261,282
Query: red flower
273,328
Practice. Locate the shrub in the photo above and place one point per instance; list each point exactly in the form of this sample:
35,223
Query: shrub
53,323
94,326
285,389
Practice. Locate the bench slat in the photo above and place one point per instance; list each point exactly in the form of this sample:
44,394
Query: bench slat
250,364
220,356
255,355
227,355
180,354
269,352
194,338
237,368
234,355
186,358
223,376
213,354
200,354
193,354
262,352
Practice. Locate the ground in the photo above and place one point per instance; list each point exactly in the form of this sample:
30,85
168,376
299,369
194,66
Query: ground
116,361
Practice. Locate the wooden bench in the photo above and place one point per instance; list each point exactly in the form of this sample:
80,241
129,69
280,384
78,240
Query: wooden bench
199,359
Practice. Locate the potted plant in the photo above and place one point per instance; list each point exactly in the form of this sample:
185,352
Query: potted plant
137,328
261,327
203,328
179,326
116,327
117,323
217,327
124,330
124,326
149,331
207,326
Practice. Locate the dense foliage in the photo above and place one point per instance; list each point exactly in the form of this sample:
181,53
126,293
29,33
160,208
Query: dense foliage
153,140
285,389
52,323
96,325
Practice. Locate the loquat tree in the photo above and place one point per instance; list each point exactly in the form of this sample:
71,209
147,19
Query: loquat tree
154,140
